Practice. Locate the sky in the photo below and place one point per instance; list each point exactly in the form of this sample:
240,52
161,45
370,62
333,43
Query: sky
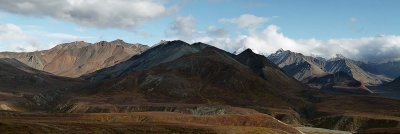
365,30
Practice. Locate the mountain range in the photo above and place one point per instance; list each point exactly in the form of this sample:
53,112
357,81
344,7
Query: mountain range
182,73
78,58
304,68
194,79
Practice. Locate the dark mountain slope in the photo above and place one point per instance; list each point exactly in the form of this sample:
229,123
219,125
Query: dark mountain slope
17,76
389,90
339,82
23,88
395,83
264,68
389,69
162,53
255,62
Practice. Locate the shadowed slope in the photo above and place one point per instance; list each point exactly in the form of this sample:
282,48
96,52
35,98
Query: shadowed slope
389,90
255,62
395,85
17,76
339,82
23,87
390,69
162,53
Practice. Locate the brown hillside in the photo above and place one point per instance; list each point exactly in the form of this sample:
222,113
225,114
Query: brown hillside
78,58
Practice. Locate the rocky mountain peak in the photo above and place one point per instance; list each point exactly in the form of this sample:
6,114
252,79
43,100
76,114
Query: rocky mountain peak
101,43
339,57
170,43
200,45
247,51
280,50
72,45
177,42
118,41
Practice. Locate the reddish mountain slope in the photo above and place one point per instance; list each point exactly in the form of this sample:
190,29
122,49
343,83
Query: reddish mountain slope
78,58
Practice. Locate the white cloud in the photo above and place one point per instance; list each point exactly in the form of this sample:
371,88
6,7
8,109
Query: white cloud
267,41
11,32
14,38
246,21
123,14
372,49
183,27
216,32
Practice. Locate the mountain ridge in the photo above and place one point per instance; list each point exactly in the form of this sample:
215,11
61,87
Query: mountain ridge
156,55
77,58
201,76
304,68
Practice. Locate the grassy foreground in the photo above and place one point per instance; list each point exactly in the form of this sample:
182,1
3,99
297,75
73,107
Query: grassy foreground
141,122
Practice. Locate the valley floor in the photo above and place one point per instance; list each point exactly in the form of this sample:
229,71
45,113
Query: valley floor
312,130
248,122
140,122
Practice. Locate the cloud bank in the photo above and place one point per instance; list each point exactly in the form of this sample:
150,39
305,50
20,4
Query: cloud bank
246,21
16,39
369,49
122,14
13,38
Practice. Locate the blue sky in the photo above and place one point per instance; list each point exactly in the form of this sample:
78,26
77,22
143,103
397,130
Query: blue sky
312,27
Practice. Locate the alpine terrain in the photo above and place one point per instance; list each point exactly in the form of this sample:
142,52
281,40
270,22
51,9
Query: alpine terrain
176,87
